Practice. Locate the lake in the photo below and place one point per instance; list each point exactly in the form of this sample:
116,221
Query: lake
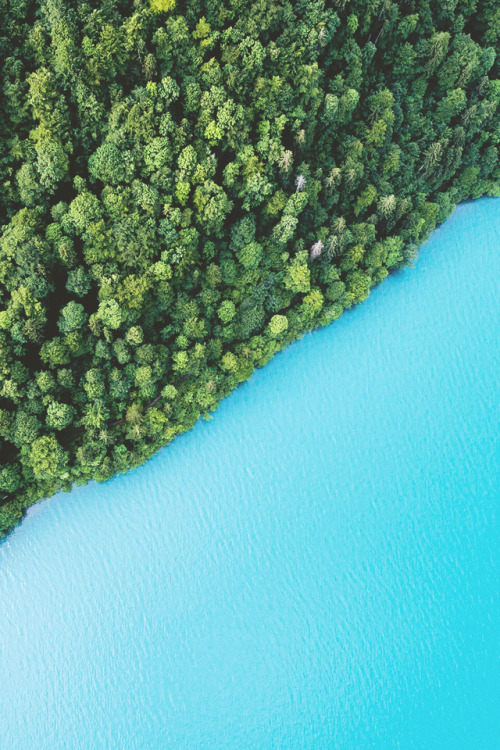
316,567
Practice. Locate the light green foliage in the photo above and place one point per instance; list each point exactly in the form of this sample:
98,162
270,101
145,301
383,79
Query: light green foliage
313,302
78,282
229,362
47,458
298,275
135,335
107,164
169,392
250,255
278,324
365,199
110,313
451,105
73,317
162,6
59,416
188,187
358,284
226,311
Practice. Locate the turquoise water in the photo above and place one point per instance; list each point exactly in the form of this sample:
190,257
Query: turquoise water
316,567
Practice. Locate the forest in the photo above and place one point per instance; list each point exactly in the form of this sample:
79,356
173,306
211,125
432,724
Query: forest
189,186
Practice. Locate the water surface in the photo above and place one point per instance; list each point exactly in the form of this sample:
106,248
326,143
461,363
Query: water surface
314,568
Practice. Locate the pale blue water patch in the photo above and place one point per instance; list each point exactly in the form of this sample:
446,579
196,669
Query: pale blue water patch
317,567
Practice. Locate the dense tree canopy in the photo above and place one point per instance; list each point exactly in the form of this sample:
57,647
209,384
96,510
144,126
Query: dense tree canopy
189,186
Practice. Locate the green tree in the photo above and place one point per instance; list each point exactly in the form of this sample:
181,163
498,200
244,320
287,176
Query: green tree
73,317
278,324
226,311
47,459
59,415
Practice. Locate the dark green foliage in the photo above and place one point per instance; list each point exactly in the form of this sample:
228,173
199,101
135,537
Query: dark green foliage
187,187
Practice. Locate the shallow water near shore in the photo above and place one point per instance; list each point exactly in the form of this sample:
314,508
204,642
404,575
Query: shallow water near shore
317,567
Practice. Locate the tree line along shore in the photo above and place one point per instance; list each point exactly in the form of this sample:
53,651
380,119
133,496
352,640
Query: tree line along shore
187,187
